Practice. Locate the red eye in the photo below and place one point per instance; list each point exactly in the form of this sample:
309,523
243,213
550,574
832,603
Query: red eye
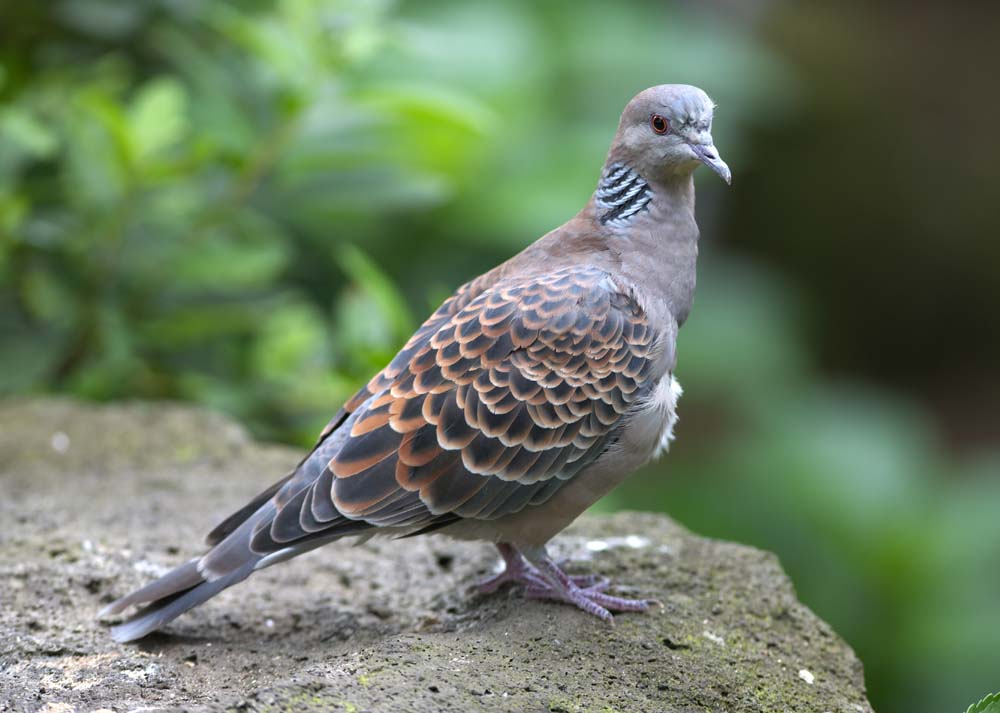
659,124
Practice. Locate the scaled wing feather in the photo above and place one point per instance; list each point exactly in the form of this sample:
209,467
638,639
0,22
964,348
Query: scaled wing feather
505,393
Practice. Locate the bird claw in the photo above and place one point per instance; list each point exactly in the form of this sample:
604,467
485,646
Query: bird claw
594,595
585,591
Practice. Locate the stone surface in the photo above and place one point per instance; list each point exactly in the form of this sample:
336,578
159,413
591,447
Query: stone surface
97,500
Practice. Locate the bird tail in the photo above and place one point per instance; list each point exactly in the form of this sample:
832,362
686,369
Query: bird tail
196,581
168,597
246,541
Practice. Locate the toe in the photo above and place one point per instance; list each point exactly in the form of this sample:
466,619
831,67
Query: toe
620,604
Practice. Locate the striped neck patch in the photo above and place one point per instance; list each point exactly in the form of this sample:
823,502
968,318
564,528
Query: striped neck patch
621,193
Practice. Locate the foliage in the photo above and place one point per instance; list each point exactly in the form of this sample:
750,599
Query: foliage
251,204
175,216
179,186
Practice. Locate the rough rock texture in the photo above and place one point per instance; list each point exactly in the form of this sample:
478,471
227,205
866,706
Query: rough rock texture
97,500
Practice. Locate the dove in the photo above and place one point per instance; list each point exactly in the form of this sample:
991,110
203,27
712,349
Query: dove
529,394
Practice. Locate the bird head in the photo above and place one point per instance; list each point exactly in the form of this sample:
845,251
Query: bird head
666,131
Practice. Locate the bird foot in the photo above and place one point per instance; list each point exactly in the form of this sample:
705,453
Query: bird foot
592,601
549,581
531,578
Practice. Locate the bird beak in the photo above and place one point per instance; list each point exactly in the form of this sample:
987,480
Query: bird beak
709,156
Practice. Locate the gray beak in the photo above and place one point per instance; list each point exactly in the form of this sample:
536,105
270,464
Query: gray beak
709,156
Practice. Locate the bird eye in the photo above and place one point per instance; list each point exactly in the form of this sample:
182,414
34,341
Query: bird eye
659,124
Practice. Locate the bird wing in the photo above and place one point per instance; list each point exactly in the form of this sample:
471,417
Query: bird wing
306,471
490,407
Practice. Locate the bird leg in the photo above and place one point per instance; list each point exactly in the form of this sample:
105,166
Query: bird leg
516,569
544,579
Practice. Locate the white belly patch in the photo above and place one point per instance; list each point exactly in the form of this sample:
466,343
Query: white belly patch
665,401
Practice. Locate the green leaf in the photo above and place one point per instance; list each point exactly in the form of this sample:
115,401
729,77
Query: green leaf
389,302
157,117
292,341
13,209
990,704
434,104
46,297
188,327
220,263
95,169
27,133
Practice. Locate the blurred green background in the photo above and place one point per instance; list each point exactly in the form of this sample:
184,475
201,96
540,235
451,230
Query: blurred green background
251,205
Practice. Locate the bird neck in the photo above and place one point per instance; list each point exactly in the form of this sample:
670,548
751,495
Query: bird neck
640,229
650,226
622,193
624,196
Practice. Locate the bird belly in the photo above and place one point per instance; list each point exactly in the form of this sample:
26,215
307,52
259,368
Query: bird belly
647,434
668,394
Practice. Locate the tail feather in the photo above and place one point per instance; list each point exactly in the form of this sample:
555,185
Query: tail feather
168,608
231,523
178,579
235,550
188,585
241,544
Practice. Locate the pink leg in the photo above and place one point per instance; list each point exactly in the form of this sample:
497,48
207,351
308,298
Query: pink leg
545,580
516,570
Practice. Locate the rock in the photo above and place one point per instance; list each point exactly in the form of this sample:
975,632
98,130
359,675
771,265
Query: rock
98,499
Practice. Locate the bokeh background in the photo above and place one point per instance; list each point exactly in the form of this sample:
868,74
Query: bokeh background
250,205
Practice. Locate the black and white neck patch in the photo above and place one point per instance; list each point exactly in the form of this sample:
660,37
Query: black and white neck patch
621,193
